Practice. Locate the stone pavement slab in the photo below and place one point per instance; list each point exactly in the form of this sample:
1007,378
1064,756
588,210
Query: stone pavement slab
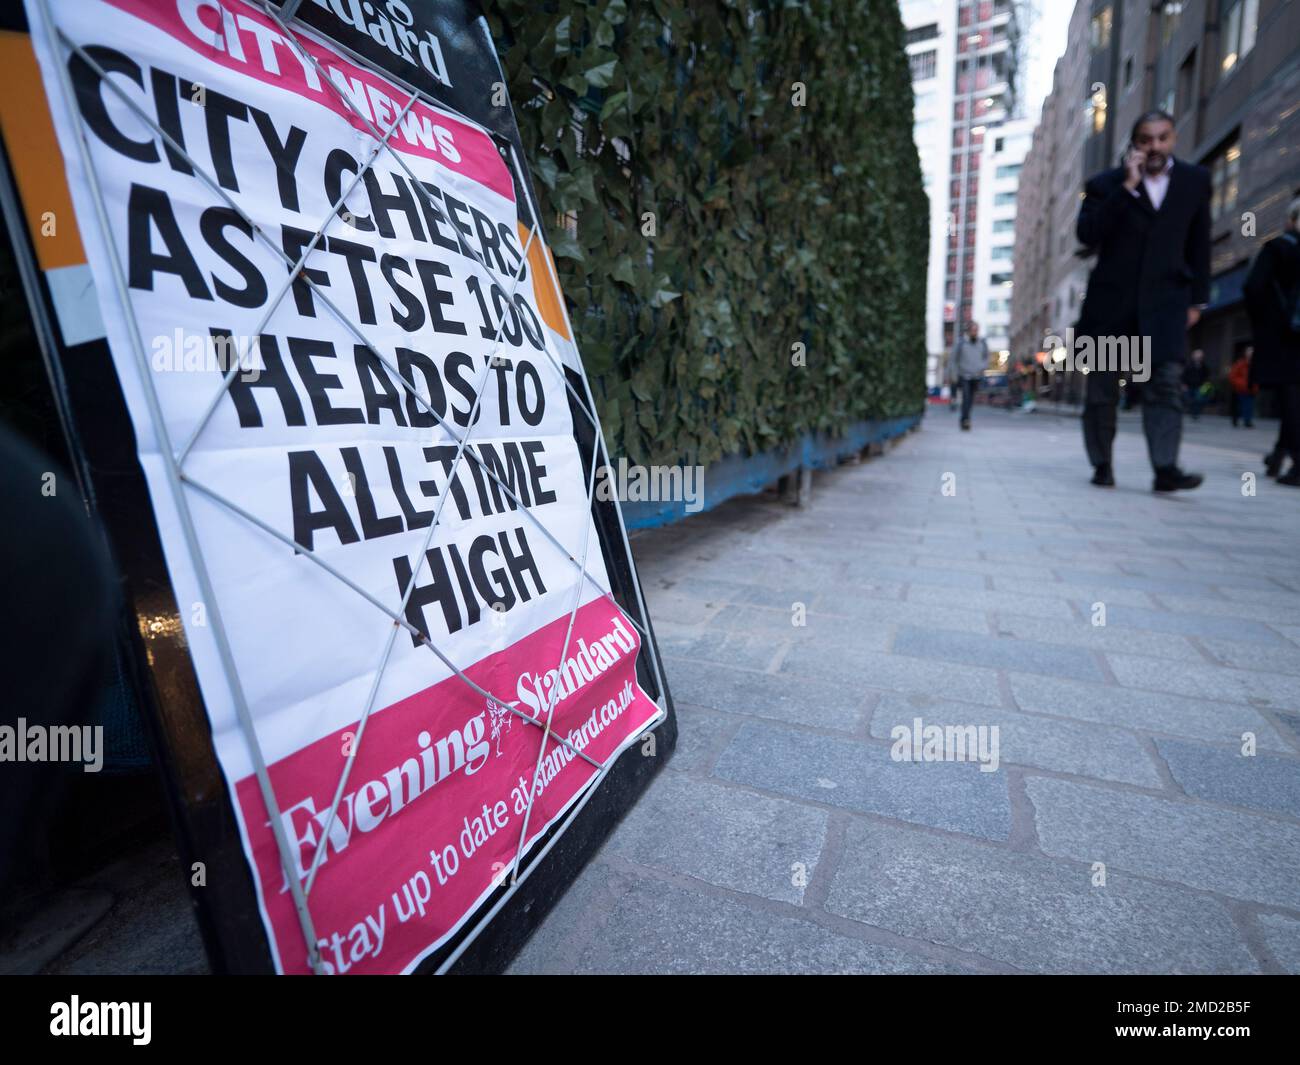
1084,634
1075,747
1128,616
1027,912
1154,712
1002,652
1282,937
1206,681
740,840
783,836
1201,846
862,777
779,696
1227,775
707,933
911,676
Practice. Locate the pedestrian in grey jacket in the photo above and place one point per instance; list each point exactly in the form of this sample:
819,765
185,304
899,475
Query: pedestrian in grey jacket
966,366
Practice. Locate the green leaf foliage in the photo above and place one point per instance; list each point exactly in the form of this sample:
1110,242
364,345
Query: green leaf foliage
718,222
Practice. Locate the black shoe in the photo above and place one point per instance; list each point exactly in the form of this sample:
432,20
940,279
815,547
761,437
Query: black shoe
1172,479
1103,477
1273,463
965,423
1292,476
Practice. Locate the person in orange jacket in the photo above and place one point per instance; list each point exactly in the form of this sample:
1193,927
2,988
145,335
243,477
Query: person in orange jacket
1243,392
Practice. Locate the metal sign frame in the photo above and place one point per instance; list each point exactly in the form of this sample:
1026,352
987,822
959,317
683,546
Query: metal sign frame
162,674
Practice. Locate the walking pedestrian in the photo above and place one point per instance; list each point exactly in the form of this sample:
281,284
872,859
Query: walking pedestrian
1148,221
966,366
1195,378
1243,392
1272,294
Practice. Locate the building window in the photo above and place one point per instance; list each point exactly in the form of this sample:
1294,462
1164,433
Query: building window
1128,72
1004,225
1095,109
1186,99
1169,16
1003,252
1101,29
1011,170
922,64
1004,199
922,33
1238,26
1224,169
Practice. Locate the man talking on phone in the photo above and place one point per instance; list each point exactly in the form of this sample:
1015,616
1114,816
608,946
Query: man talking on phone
1148,221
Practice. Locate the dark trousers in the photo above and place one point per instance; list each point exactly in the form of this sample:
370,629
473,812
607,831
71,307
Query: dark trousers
1162,414
1243,407
968,387
1288,433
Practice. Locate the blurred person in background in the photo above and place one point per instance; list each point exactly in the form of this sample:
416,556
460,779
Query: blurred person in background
1240,387
1195,378
1148,221
966,366
1272,294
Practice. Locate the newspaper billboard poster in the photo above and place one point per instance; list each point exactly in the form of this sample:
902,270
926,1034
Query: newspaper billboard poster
342,349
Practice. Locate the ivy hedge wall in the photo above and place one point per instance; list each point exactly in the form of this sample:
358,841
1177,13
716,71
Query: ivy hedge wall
771,142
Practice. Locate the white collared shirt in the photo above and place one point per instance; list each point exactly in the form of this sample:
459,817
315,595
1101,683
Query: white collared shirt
1157,185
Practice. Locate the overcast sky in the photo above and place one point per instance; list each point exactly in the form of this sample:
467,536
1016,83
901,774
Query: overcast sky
1045,43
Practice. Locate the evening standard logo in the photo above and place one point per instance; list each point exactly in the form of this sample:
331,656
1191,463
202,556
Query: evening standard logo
500,717
541,692
363,809
394,27
102,1018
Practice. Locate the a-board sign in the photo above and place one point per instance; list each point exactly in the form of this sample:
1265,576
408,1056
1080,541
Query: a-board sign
369,450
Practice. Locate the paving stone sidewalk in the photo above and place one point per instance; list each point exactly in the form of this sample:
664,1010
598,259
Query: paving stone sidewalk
783,837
